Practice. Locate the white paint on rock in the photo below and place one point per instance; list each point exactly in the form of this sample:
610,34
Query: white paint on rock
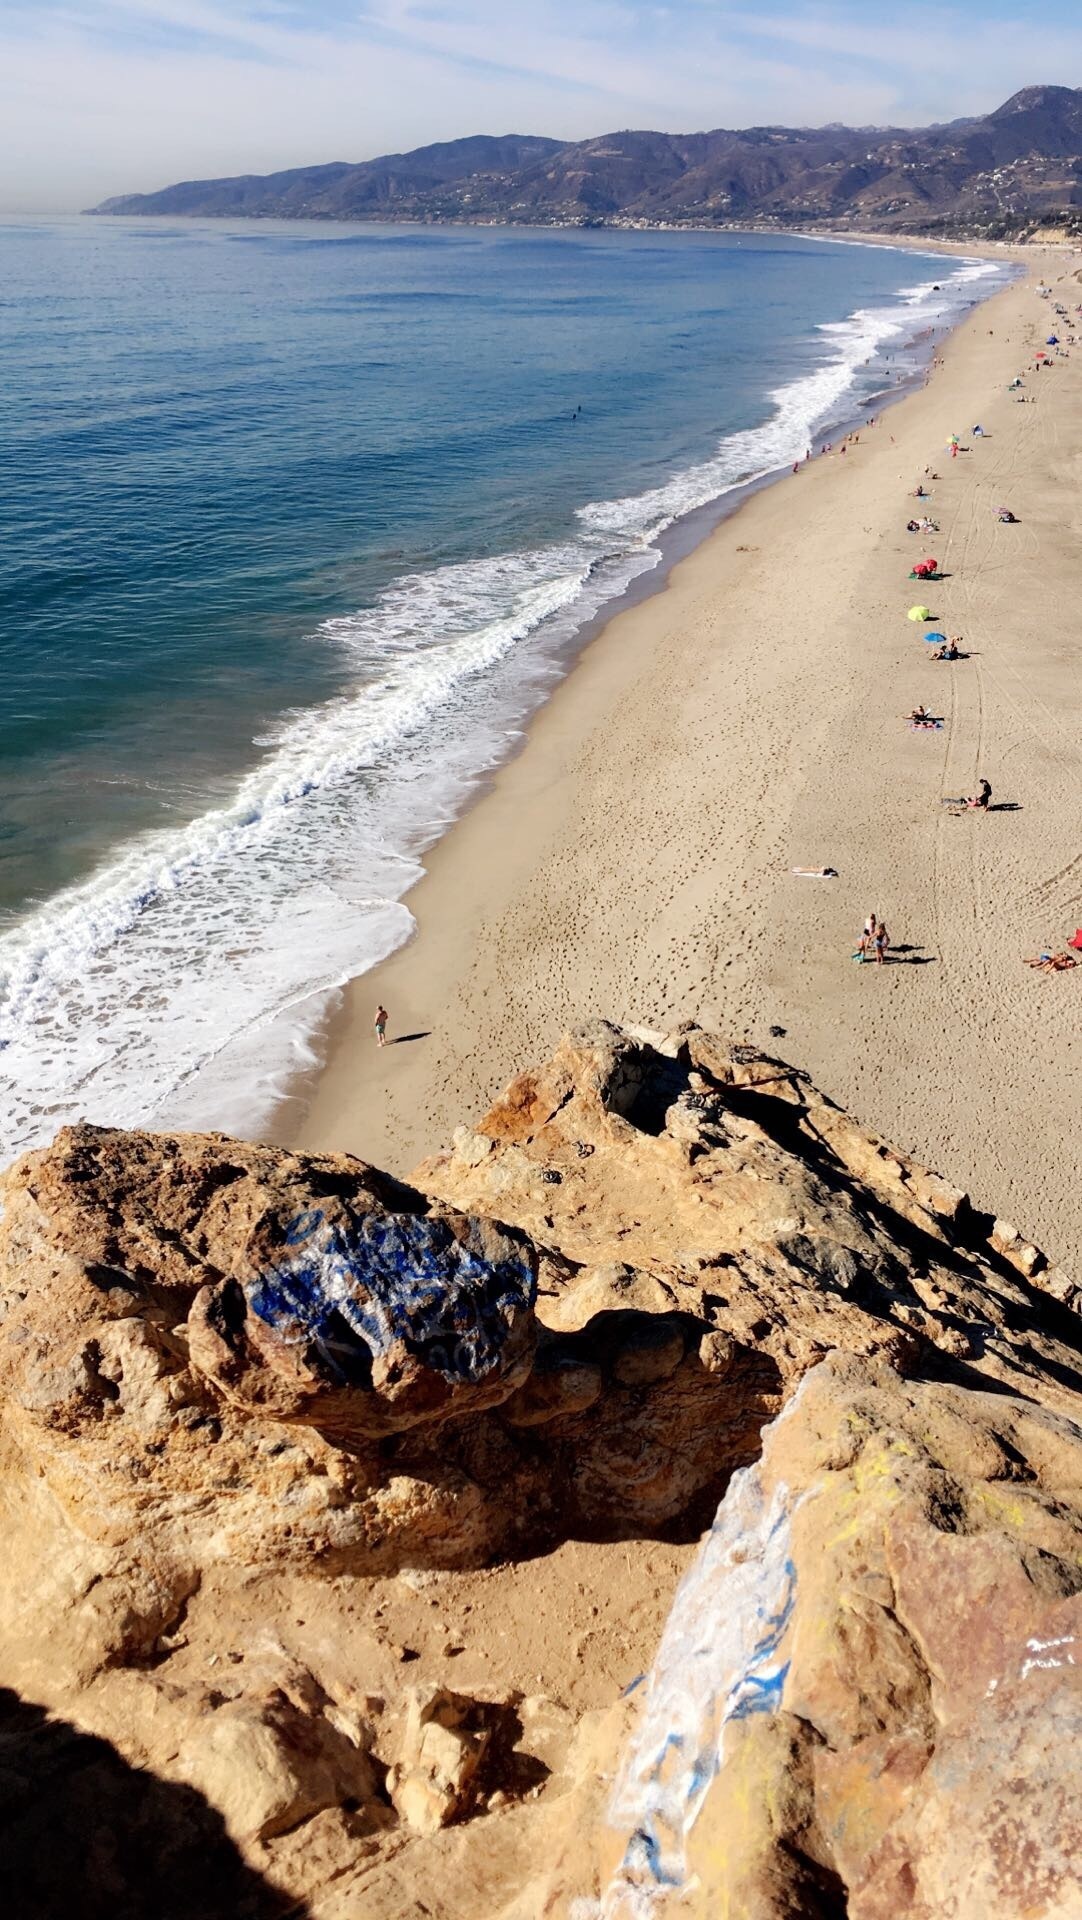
721,1658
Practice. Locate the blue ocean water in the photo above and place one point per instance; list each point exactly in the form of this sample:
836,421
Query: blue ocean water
298,523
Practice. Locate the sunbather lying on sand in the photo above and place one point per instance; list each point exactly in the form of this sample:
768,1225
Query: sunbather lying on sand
1052,962
970,802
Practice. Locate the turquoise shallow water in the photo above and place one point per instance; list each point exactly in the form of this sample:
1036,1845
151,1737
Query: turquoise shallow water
297,524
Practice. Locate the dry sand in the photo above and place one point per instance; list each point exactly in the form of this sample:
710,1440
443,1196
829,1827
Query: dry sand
634,859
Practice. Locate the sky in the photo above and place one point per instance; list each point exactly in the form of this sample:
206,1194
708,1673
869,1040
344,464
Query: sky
111,96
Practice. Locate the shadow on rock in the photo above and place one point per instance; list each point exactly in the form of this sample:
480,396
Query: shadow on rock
83,1832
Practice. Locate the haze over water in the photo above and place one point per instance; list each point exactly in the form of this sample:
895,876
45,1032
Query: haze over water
298,525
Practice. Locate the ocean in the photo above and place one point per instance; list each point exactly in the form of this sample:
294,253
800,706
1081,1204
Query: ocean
300,522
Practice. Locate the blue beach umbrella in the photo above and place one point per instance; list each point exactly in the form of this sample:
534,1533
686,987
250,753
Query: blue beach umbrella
937,639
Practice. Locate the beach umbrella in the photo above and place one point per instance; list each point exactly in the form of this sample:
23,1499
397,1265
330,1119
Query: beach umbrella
936,639
1076,939
1052,340
920,613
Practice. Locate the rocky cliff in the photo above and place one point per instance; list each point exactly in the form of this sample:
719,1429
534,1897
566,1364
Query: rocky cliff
993,175
350,1515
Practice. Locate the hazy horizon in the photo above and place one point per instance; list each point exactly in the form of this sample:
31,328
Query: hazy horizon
104,97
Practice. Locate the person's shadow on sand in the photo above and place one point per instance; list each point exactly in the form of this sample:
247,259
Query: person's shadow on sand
909,956
83,1833
403,1039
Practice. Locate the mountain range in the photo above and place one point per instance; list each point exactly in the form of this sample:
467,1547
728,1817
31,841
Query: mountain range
998,175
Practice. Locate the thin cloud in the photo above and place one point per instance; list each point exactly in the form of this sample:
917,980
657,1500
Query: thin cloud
107,96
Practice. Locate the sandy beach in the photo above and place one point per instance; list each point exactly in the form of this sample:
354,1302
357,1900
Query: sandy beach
635,858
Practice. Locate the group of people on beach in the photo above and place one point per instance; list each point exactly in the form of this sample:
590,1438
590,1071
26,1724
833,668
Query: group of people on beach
978,802
850,440
874,941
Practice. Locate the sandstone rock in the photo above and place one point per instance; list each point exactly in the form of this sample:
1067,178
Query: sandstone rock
607,1289
267,1765
434,1779
1006,1239
308,1290
563,1381
769,1216
877,1649
717,1352
1060,1285
194,1329
219,1360
86,1832
368,1327
646,1352
208,1345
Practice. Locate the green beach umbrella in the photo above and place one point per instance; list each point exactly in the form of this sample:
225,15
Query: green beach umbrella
920,613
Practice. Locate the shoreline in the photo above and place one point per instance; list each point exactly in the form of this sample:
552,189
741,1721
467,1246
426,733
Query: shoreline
632,859
675,544
228,851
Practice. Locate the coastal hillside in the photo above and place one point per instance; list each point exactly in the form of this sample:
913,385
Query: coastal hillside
997,175
667,1448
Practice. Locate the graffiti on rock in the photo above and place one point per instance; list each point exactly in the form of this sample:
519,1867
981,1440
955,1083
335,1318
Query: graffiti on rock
353,1290
721,1659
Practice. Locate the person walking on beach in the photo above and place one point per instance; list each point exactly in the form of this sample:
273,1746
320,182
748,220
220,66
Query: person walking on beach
867,938
882,942
381,1026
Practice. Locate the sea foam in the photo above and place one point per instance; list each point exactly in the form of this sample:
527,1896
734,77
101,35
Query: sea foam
181,983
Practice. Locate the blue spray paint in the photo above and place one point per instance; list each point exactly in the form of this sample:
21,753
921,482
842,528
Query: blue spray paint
354,1288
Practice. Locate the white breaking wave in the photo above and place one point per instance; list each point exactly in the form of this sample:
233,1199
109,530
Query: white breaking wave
178,983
